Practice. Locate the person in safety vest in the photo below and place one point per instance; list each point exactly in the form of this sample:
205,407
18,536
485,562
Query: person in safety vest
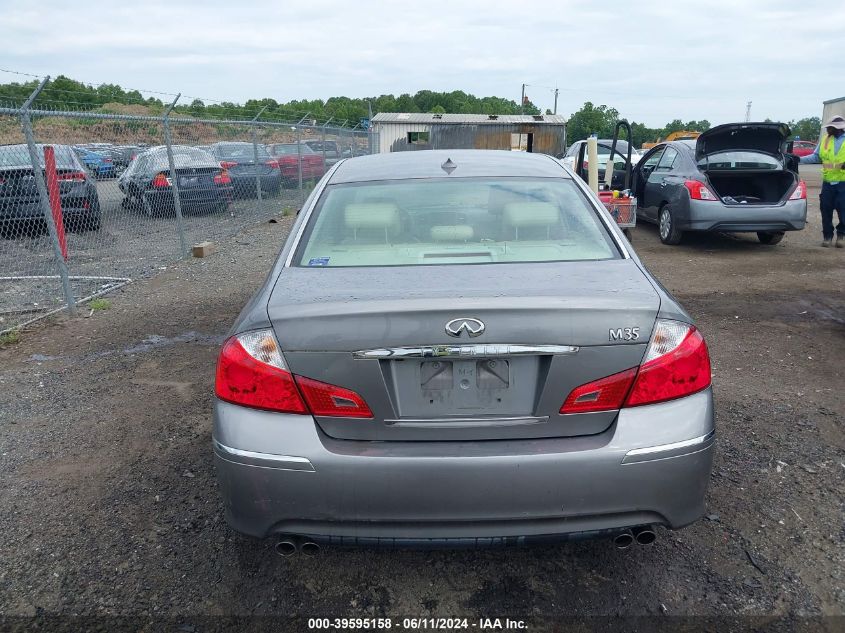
830,152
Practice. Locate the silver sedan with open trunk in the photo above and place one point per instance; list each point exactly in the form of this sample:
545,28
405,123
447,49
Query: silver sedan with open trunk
733,178
459,348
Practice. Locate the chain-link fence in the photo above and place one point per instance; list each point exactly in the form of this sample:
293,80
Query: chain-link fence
119,196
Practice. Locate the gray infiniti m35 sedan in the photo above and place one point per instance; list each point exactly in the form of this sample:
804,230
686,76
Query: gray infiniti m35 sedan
459,348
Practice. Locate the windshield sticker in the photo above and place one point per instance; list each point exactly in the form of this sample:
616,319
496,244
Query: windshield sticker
319,261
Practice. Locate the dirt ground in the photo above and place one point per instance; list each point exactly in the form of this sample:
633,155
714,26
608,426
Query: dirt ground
109,505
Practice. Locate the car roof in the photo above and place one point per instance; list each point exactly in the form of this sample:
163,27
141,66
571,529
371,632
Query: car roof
428,164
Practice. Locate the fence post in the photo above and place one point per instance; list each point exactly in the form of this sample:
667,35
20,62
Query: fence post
174,181
43,197
323,138
299,162
254,124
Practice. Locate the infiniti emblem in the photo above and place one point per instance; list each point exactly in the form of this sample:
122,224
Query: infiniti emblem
473,327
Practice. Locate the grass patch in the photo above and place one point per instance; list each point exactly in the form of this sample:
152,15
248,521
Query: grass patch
99,304
10,338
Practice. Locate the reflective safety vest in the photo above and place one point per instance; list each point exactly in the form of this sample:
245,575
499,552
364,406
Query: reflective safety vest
831,160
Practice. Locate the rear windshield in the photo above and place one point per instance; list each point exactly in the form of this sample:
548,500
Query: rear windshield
245,152
739,160
18,156
292,148
458,221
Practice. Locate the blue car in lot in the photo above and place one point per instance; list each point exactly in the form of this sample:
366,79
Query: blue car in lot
100,165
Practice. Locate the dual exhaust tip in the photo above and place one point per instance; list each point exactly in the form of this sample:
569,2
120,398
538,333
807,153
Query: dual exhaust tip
289,546
642,535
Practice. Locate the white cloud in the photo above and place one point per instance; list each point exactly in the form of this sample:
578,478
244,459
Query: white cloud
653,61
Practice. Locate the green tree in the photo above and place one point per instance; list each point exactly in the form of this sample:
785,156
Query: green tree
807,129
591,119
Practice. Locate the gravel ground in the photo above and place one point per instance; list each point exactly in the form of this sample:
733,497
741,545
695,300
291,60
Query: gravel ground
110,506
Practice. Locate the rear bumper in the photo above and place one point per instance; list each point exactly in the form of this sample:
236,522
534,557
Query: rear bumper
279,474
246,183
715,216
196,198
32,212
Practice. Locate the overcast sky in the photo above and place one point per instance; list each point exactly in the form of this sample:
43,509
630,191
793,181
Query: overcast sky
653,61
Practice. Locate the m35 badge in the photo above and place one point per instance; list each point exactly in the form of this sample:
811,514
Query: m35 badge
624,334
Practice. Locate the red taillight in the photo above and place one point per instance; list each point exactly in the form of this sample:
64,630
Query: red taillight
676,364
333,401
251,372
161,180
604,394
699,191
272,163
75,176
222,178
226,164
800,191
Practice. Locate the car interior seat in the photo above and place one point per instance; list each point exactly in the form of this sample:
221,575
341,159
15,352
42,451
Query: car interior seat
530,220
372,222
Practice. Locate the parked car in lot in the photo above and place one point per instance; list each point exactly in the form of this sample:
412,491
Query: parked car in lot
99,163
327,149
20,206
803,148
203,184
288,156
604,148
460,348
122,155
239,160
733,178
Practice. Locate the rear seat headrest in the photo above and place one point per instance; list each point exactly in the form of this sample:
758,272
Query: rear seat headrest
452,233
523,214
372,215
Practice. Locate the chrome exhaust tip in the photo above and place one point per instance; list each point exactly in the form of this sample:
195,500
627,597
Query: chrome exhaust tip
286,548
645,535
623,540
309,548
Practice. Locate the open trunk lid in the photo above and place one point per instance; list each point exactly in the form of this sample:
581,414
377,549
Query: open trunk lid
766,137
381,332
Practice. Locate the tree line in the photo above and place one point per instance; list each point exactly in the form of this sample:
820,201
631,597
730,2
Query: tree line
64,93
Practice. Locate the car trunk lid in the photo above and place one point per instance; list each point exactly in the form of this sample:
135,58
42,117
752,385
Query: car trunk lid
381,332
769,138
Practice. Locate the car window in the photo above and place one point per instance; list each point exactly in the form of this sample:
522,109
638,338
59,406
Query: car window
573,149
667,160
18,155
459,221
651,162
245,152
739,160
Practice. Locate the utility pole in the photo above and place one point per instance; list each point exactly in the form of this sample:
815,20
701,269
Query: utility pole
522,101
747,112
556,92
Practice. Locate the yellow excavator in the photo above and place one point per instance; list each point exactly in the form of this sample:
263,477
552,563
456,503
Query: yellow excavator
681,135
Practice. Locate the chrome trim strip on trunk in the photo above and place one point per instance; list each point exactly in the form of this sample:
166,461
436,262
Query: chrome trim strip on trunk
457,423
264,460
669,450
480,350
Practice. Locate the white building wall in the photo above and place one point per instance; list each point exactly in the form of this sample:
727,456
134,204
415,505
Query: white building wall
390,132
